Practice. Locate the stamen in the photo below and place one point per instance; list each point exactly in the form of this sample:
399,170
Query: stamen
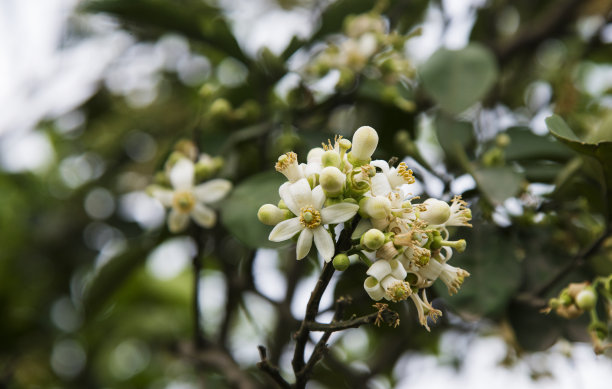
406,173
183,201
310,217
285,160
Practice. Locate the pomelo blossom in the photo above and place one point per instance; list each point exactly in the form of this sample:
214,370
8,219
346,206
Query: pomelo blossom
406,242
187,200
311,217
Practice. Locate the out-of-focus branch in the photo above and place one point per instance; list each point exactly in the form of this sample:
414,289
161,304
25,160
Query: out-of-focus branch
198,338
272,371
554,19
216,358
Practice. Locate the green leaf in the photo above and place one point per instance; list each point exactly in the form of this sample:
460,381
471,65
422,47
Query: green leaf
239,211
452,133
498,183
525,145
600,148
495,273
458,79
114,273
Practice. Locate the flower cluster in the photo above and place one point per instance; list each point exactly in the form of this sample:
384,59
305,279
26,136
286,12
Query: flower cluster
367,46
176,187
405,244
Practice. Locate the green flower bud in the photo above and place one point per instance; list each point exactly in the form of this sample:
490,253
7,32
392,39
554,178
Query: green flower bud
364,143
436,212
341,262
270,214
330,158
373,239
332,181
586,299
220,108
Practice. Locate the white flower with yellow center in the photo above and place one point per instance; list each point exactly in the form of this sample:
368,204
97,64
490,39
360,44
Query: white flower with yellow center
186,200
310,218
386,280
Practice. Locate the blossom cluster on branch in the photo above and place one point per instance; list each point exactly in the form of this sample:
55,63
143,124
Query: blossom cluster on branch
404,243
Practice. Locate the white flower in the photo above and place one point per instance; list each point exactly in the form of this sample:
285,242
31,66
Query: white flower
288,165
310,218
425,309
187,200
395,176
451,276
460,214
386,279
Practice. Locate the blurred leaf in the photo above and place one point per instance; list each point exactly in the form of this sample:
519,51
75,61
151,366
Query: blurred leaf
239,214
495,273
524,144
194,19
110,276
452,133
498,183
600,149
458,79
534,330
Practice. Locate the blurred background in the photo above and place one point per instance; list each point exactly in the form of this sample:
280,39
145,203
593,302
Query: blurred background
95,94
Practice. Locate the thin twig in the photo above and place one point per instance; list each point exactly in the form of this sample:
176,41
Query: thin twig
272,371
198,338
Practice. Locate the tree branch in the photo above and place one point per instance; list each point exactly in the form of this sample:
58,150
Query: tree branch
272,371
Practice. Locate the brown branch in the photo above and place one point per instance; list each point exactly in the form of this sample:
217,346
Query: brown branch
384,314
219,359
535,298
271,370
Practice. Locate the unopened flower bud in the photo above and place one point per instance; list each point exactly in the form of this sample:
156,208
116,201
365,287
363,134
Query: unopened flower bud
270,214
364,142
220,108
436,212
341,262
332,181
314,155
375,207
330,158
373,239
586,299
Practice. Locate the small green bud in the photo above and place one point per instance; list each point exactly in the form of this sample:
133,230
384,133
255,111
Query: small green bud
586,299
331,158
502,140
220,108
373,239
341,262
270,214
282,205
332,181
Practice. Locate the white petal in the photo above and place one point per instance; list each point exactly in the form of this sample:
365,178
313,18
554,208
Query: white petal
285,195
382,164
338,213
397,269
213,190
373,288
304,243
318,197
164,196
177,221
380,185
285,230
362,227
324,243
203,215
379,269
301,193
181,175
